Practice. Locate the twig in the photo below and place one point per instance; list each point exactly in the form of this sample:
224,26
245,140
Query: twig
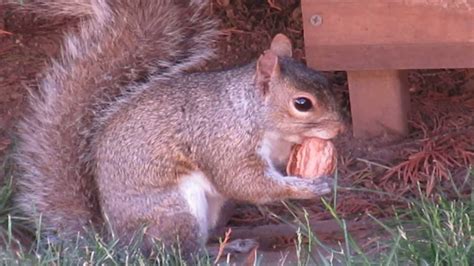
272,4
222,245
5,32
374,163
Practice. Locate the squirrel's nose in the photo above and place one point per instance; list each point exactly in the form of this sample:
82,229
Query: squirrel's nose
342,127
337,127
341,124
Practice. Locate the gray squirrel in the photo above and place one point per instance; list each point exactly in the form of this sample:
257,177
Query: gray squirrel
122,130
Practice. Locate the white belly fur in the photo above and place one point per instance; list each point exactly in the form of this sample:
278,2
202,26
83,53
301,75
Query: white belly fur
203,200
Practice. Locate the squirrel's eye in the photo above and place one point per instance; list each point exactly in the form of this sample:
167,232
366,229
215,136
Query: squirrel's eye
303,104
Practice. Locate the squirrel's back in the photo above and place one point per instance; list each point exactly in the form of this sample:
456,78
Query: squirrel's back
119,45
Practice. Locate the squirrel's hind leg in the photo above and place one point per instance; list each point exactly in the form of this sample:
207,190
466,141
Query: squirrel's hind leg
160,219
179,216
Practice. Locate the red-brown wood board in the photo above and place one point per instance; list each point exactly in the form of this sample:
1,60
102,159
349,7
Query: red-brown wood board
375,40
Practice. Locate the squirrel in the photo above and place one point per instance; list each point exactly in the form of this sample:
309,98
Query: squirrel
123,131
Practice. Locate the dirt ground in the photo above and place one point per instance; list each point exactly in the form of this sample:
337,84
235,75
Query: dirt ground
439,148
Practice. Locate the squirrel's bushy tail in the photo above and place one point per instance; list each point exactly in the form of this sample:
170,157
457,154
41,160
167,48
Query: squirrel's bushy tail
119,43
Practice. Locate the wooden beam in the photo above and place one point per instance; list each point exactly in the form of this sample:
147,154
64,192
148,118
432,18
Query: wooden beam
390,56
379,103
396,34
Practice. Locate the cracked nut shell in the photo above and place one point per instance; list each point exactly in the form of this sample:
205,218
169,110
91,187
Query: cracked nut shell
312,158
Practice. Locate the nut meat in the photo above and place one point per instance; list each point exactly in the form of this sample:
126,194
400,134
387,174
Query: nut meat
312,159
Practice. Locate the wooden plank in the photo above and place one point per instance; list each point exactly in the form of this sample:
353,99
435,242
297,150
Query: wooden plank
379,103
353,32
385,56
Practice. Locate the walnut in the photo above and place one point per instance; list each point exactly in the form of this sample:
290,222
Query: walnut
312,159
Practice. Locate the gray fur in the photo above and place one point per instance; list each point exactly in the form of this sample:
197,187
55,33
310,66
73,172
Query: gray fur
119,44
119,129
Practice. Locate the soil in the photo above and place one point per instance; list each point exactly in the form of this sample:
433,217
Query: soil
442,104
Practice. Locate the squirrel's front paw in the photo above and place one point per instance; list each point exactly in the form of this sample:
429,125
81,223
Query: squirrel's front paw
310,188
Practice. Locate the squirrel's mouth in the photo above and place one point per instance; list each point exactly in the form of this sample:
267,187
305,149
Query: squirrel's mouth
326,130
320,133
295,139
326,133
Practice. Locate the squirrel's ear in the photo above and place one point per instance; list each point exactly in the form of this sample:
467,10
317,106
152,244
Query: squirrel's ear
267,68
281,45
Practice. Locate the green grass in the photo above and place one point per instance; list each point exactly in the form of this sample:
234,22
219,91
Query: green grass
93,250
430,232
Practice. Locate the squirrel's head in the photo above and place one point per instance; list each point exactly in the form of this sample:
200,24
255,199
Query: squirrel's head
298,99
